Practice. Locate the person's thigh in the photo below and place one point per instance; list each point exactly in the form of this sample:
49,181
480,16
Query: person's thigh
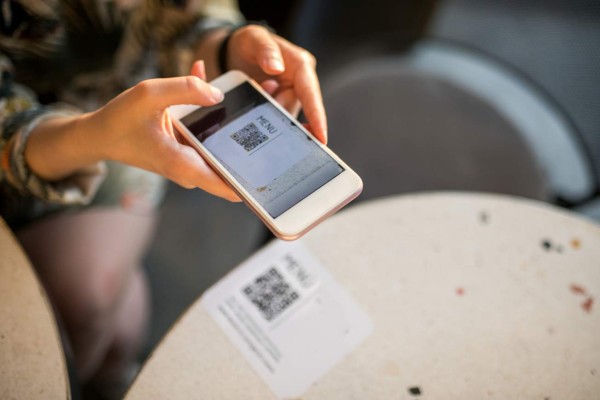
131,322
85,260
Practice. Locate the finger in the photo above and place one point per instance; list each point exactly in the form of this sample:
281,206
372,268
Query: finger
164,92
199,69
270,86
184,166
306,85
262,44
307,126
287,98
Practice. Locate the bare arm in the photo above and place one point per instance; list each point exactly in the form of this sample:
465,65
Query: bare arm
134,128
59,146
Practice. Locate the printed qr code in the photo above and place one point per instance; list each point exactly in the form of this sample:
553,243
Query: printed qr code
271,294
249,137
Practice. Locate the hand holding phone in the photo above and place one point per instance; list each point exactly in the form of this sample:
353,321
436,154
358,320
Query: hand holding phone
289,179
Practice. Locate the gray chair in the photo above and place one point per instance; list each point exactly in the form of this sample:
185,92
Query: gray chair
475,95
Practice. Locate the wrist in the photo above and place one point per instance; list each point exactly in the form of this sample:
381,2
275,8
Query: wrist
59,147
89,140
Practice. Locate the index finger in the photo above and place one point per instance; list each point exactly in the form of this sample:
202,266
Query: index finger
308,91
306,86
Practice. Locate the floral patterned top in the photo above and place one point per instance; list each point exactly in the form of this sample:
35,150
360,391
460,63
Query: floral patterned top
67,56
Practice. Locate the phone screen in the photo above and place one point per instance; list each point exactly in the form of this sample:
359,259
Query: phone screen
266,152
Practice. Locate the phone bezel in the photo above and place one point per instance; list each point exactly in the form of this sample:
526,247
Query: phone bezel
304,215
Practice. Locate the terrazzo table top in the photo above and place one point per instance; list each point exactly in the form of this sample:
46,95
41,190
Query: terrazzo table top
470,296
32,361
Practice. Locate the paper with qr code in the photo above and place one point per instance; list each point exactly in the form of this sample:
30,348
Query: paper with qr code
258,145
288,316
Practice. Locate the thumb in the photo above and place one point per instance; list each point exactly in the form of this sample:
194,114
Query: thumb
164,92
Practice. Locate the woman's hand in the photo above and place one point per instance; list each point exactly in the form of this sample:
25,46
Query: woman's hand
135,129
285,70
140,132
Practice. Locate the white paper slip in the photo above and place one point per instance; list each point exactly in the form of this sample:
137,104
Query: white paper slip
288,316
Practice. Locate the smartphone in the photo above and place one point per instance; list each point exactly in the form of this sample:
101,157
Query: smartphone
286,176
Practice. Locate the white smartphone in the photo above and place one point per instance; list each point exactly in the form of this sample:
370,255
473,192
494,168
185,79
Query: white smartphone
286,176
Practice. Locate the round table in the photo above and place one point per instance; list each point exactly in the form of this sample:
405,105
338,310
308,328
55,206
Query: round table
470,296
32,361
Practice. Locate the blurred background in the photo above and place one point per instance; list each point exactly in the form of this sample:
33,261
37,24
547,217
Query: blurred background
496,96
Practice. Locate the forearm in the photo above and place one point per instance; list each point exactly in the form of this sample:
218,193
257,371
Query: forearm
61,146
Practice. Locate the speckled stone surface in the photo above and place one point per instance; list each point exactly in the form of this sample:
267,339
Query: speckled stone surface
32,362
471,296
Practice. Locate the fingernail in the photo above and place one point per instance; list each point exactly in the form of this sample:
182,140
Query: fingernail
216,94
275,64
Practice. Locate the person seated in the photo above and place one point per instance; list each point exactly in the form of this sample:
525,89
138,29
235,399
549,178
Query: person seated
86,143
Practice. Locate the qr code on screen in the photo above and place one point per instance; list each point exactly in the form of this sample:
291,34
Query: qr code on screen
271,294
249,137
